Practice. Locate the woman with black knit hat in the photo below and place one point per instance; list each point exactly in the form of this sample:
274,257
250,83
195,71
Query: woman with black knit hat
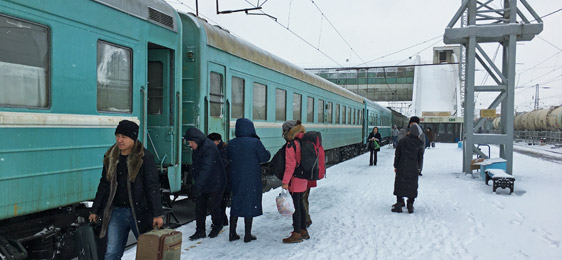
129,191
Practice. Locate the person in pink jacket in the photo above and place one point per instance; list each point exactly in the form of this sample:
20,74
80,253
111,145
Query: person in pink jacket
293,131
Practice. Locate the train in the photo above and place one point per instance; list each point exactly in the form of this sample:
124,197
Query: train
73,69
548,119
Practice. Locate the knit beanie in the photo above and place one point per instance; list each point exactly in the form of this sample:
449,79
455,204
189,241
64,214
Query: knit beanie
290,124
128,128
215,137
414,119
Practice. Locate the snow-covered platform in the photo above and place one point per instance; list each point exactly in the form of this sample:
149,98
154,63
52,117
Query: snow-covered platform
456,217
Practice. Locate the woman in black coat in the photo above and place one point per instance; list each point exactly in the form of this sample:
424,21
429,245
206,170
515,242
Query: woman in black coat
374,136
407,163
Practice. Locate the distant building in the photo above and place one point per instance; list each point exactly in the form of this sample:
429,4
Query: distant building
430,91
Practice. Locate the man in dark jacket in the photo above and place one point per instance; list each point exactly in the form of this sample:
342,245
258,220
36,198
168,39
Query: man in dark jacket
222,146
407,163
246,152
128,192
210,181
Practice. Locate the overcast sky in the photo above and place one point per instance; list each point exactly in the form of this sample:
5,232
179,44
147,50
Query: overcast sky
381,32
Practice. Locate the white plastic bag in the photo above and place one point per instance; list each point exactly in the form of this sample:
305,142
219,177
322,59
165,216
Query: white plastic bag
285,204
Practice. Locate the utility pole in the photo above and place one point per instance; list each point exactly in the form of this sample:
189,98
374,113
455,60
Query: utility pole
537,97
486,24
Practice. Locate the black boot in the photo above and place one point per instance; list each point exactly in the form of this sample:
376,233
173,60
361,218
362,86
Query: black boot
199,233
248,230
232,235
410,206
215,230
225,220
397,207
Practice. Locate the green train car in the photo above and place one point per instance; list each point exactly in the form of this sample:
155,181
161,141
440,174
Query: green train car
231,78
70,70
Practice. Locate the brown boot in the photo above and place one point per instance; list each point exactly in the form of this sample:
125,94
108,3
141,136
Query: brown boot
304,234
294,238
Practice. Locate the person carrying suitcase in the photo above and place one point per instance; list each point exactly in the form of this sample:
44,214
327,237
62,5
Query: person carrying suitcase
128,194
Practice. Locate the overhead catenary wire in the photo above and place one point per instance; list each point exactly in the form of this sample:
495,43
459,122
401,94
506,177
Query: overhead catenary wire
433,44
407,48
551,44
286,27
336,30
551,13
301,38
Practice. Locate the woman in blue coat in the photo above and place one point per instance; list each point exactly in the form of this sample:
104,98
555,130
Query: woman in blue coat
246,152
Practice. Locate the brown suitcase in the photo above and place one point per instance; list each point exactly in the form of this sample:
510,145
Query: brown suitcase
161,244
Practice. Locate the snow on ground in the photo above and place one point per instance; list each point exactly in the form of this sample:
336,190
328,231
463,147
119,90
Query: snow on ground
456,216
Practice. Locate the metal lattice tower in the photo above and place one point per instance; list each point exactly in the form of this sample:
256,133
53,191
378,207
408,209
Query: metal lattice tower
485,24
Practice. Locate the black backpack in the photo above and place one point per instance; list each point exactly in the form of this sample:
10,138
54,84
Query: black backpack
311,151
277,163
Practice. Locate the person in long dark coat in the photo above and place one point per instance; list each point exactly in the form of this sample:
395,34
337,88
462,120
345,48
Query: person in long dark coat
222,146
407,163
246,152
210,180
404,132
374,136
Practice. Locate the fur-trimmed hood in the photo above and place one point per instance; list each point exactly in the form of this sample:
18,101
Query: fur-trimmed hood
134,160
290,135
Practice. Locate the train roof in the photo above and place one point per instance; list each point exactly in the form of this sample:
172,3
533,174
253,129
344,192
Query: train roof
371,103
224,40
158,12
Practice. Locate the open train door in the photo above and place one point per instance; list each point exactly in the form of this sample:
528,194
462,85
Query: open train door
161,113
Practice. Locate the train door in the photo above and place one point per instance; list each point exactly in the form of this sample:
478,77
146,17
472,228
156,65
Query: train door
216,108
159,110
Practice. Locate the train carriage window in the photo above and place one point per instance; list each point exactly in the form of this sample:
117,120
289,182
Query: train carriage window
320,111
362,111
344,113
237,110
280,105
24,63
337,113
155,88
260,102
354,116
349,116
216,96
310,110
115,85
329,112
297,106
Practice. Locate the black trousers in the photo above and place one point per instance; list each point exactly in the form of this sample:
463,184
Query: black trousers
373,159
400,199
299,217
224,203
208,202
